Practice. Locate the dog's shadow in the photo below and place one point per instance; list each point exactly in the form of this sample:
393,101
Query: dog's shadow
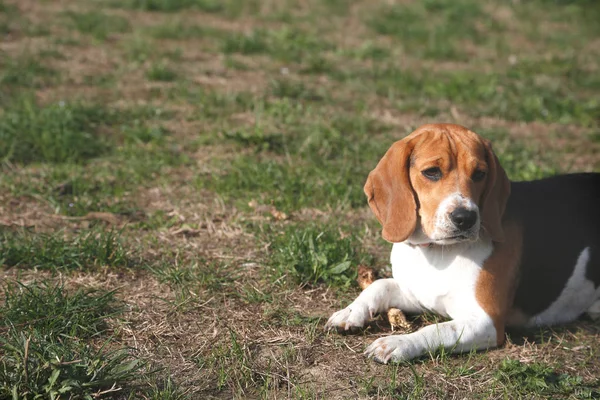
583,326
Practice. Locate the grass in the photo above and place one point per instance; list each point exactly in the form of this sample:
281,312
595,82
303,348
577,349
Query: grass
228,8
26,71
513,96
295,90
288,186
543,380
165,390
198,274
207,158
98,24
449,26
71,136
288,45
327,154
46,352
23,72
252,43
139,49
14,23
88,251
56,133
236,355
77,190
313,255
521,162
68,132
178,30
81,314
173,5
161,72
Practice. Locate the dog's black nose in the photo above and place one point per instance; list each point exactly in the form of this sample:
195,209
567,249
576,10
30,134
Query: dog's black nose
463,218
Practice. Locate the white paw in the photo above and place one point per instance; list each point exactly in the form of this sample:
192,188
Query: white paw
394,348
352,317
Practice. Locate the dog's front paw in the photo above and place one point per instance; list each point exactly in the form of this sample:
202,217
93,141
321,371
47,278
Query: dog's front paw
353,317
394,348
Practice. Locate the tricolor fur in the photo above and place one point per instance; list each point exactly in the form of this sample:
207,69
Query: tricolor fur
474,247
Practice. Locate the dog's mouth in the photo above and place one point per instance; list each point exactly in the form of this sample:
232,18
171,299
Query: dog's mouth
463,237
458,237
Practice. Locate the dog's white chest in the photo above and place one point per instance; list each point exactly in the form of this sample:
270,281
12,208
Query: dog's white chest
440,279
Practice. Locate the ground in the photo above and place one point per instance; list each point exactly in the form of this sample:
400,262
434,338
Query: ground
181,203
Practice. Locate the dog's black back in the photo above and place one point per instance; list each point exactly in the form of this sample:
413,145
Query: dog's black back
560,217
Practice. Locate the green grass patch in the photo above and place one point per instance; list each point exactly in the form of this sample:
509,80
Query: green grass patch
572,21
322,156
13,23
61,132
229,8
211,104
98,24
312,255
46,351
566,71
23,72
190,277
105,81
50,309
512,96
161,72
369,51
88,251
288,185
204,274
139,49
64,132
286,44
543,381
8,13
230,363
319,65
285,316
212,6
141,151
284,126
254,42
522,162
178,30
435,28
7,8
75,190
164,389
295,89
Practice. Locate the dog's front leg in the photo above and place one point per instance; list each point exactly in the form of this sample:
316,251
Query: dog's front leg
457,336
377,297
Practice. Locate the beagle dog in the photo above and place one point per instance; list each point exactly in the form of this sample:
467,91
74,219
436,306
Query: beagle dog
470,245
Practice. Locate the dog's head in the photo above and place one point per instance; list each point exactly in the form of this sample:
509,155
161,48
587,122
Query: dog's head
441,184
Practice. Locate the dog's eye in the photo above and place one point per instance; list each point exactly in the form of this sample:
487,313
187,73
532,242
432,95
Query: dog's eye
433,174
478,176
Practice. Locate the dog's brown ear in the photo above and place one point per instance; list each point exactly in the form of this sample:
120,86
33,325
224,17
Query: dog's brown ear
495,196
390,193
